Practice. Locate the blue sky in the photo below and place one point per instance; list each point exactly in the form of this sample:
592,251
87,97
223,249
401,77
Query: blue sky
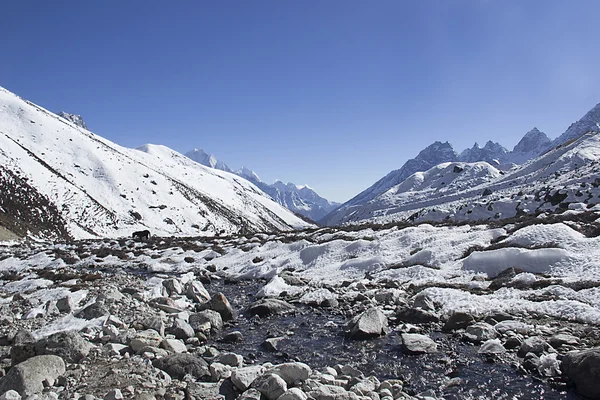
333,94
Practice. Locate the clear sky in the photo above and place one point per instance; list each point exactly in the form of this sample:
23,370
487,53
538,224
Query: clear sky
333,94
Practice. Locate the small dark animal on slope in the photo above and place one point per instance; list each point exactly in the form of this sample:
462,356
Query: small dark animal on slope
142,235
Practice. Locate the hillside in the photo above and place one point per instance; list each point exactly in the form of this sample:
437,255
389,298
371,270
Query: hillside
102,189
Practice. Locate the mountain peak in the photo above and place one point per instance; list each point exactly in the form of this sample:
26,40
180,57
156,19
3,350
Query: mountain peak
590,122
74,118
247,173
202,157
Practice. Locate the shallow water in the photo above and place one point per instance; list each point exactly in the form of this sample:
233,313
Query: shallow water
316,337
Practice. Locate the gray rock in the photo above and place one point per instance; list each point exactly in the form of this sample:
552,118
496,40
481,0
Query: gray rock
205,391
268,306
270,385
208,322
70,346
94,310
141,339
331,392
535,345
114,394
424,301
195,291
371,323
562,339
480,332
251,394
418,344
65,304
231,359
11,395
156,323
417,315
173,286
28,377
293,394
492,346
531,362
233,337
513,326
173,345
292,373
242,378
272,344
181,329
219,371
458,320
366,386
220,304
180,364
583,368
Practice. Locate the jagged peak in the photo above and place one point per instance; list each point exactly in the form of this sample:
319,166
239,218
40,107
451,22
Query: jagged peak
74,118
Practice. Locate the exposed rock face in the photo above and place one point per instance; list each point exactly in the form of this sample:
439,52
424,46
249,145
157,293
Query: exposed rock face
583,368
74,118
28,377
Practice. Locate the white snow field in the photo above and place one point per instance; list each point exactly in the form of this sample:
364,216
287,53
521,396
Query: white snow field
438,258
103,189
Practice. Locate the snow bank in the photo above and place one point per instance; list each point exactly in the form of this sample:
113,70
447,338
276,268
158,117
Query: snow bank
495,261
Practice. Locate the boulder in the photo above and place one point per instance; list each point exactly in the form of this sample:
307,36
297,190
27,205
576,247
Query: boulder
292,373
583,368
28,377
208,322
535,345
94,310
293,394
480,332
270,385
492,346
70,346
141,339
266,307
173,345
371,323
417,315
220,304
242,378
180,364
418,344
458,320
181,329
231,359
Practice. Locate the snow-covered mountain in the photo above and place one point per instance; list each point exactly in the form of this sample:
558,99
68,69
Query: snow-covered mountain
589,123
431,156
209,160
299,199
102,189
74,118
534,144
492,153
566,177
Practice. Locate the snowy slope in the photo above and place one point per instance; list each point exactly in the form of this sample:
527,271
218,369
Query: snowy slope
589,122
565,177
299,199
103,189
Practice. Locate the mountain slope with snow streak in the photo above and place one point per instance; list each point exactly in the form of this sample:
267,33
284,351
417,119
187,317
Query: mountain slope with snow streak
103,189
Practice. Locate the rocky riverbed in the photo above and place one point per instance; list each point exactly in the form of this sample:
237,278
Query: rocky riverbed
106,319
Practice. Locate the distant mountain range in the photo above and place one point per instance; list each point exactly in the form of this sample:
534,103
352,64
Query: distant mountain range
300,199
57,175
416,185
